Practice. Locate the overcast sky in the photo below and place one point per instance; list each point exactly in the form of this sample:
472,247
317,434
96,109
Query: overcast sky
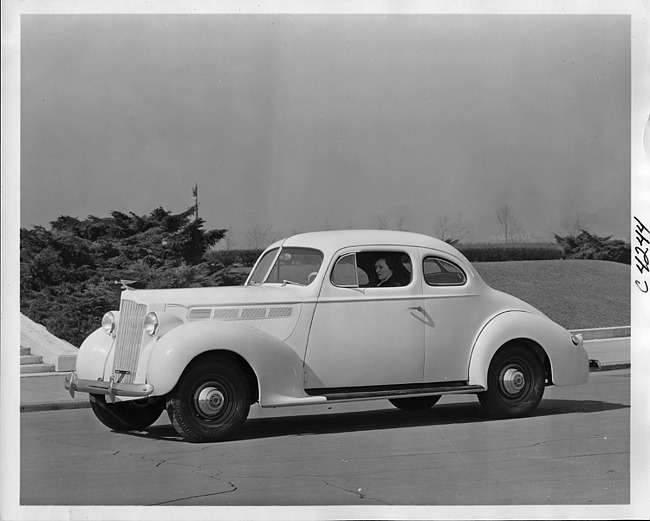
306,122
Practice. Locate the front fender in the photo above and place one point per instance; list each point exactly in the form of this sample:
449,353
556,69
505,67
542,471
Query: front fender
569,363
93,354
279,370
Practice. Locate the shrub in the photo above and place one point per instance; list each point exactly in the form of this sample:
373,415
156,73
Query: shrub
591,246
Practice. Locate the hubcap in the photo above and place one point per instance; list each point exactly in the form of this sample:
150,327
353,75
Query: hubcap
210,401
513,381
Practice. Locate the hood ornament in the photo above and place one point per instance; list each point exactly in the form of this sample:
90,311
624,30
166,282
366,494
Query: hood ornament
126,284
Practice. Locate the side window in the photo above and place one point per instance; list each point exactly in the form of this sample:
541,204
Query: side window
373,269
439,272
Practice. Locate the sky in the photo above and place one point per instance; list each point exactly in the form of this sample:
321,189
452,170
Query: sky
300,122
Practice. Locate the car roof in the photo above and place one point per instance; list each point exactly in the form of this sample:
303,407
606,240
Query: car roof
332,241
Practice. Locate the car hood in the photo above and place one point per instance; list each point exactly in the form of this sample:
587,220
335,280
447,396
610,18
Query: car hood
218,296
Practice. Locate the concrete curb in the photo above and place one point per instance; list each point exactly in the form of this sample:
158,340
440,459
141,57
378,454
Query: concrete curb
55,406
604,332
595,366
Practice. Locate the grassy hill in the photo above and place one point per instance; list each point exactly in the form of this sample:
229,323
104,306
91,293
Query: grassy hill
574,293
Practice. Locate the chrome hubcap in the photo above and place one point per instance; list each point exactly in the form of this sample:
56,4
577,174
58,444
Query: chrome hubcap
513,381
210,401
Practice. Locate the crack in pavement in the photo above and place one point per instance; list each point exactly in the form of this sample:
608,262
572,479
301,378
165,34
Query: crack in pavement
232,485
212,474
357,493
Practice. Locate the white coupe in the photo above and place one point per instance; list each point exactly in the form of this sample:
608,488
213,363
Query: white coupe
323,317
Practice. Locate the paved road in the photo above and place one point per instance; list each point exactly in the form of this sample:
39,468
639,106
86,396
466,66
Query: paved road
575,450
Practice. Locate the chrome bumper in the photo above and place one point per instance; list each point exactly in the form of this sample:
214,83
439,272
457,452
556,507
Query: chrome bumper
110,388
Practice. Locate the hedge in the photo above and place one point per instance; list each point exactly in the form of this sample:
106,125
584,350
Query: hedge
490,252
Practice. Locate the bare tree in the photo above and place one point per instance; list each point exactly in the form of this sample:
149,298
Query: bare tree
451,231
574,225
399,224
259,238
382,222
511,229
230,242
442,228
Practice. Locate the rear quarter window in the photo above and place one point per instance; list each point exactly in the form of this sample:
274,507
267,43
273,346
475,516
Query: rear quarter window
440,272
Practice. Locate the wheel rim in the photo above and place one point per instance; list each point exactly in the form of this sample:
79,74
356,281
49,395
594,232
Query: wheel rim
212,401
515,382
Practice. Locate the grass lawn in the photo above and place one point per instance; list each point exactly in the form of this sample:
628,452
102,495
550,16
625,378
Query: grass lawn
577,294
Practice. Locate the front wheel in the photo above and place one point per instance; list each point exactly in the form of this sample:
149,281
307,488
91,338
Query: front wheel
420,403
210,402
515,383
126,416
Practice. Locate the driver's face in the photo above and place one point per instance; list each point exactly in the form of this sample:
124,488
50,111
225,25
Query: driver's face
382,270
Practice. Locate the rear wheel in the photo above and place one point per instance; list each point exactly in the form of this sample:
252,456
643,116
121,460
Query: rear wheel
515,383
210,402
126,416
415,404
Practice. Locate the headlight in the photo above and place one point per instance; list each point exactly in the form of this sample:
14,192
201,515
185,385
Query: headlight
109,322
151,323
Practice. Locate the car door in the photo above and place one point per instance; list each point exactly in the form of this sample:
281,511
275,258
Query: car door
365,336
453,313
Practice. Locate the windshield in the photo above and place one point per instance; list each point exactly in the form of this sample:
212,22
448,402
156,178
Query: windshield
292,266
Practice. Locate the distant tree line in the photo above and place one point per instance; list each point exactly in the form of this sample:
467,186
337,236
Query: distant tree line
69,273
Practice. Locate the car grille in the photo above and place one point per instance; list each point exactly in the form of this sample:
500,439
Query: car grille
129,339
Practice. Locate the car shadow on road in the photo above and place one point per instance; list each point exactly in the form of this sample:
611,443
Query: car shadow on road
336,422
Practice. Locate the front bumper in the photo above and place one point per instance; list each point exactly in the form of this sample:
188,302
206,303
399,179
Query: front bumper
110,388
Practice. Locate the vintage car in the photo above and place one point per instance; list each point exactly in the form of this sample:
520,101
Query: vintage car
323,317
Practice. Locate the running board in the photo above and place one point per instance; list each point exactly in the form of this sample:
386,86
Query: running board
402,392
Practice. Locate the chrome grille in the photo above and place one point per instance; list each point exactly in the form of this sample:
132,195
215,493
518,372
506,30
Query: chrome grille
129,339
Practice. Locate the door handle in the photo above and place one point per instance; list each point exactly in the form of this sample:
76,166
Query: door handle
417,308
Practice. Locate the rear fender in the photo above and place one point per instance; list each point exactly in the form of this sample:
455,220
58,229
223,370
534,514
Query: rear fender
569,363
277,367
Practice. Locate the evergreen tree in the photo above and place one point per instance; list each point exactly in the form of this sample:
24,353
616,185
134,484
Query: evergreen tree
69,272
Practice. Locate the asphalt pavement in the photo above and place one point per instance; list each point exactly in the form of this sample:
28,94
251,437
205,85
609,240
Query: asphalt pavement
46,392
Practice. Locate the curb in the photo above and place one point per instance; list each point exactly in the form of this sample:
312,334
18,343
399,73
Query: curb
603,332
57,406
596,366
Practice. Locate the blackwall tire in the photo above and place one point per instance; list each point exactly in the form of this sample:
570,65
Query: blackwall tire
421,403
210,402
126,416
515,383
